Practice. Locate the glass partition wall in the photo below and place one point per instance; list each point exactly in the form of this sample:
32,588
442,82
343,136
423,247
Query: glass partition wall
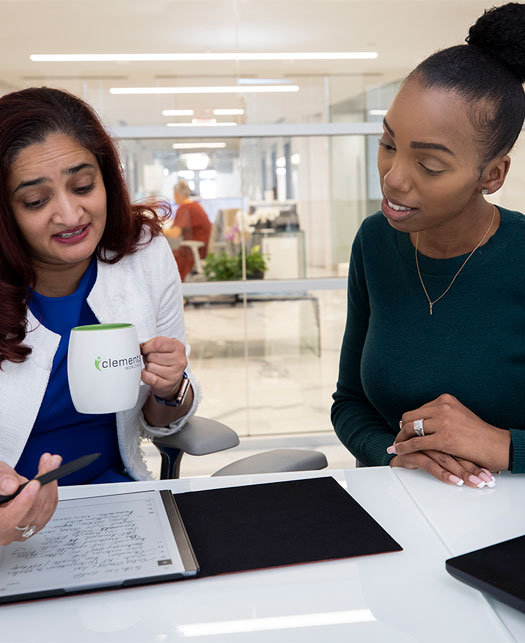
265,340
297,200
285,202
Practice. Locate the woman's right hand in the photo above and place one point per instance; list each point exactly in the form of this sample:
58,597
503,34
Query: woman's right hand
446,468
33,506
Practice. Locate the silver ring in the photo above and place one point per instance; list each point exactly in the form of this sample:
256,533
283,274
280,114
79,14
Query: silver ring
28,530
418,428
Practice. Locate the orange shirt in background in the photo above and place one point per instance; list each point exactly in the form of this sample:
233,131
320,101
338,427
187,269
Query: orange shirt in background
195,226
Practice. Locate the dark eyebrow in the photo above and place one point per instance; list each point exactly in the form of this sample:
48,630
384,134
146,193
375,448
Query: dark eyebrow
70,171
77,168
388,128
26,184
419,145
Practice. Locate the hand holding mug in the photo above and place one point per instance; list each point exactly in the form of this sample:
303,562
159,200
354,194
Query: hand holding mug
165,362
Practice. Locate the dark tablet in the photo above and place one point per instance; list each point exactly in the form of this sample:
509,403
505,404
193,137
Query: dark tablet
498,570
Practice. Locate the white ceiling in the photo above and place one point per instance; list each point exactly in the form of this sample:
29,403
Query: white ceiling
403,32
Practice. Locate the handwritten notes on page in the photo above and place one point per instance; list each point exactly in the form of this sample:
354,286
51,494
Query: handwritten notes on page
93,542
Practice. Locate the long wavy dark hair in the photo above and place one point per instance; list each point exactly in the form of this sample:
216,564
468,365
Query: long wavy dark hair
29,116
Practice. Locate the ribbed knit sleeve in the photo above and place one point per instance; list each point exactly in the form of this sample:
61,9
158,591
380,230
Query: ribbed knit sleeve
518,446
357,423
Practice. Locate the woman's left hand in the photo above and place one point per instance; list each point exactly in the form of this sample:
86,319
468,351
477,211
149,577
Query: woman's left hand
452,428
165,362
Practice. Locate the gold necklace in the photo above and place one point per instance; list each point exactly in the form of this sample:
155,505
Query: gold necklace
432,303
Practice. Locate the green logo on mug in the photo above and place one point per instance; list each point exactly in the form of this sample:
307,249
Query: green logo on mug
127,362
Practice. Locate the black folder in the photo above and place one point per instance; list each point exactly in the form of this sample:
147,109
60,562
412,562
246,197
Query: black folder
186,535
498,570
281,523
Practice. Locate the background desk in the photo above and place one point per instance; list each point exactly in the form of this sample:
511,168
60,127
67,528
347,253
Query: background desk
399,597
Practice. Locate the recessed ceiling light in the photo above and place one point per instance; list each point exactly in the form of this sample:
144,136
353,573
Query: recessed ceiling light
205,90
263,81
228,112
201,145
178,112
305,55
377,112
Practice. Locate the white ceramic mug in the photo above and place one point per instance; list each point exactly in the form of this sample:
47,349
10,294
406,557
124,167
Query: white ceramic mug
103,367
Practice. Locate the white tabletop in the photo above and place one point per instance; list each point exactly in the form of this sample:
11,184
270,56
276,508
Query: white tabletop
468,519
398,597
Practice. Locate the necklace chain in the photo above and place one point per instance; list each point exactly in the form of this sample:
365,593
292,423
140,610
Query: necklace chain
432,303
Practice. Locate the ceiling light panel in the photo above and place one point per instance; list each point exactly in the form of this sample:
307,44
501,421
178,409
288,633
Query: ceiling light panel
206,57
201,124
228,112
206,90
212,145
178,112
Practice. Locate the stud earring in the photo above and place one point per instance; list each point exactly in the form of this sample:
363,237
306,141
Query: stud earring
484,191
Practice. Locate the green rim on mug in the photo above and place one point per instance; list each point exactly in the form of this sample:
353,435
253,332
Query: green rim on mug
103,327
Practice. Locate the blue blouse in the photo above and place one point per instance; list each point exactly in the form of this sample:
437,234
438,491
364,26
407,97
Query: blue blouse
59,428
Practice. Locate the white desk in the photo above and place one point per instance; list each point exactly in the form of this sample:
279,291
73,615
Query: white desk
471,521
398,597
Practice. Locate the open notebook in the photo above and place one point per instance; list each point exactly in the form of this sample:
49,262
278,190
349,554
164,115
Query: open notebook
151,536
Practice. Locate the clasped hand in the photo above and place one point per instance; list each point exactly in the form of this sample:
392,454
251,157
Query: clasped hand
457,443
165,362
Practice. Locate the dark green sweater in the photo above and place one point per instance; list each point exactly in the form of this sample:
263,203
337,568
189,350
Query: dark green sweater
396,357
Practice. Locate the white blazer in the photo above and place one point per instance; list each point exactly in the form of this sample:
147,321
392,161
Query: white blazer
143,289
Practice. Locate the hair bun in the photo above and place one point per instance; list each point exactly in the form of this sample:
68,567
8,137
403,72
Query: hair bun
500,33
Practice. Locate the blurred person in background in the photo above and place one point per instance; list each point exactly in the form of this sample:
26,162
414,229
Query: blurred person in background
191,223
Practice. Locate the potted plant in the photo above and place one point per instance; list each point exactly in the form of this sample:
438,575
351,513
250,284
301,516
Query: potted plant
225,267
221,267
255,263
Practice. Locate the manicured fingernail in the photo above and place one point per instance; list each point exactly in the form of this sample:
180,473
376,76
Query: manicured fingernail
400,424
477,481
489,473
391,449
455,480
488,478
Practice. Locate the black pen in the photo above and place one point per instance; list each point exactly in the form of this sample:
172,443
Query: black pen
56,474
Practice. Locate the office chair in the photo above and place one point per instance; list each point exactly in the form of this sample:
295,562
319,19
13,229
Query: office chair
201,436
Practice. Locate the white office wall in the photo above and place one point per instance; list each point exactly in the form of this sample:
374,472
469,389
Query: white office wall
512,195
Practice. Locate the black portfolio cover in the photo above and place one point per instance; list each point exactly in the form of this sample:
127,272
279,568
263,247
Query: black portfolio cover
134,538
266,525
498,570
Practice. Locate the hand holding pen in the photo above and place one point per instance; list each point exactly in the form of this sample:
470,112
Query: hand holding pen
31,509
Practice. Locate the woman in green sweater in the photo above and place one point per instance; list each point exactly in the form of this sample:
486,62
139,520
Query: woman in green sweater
432,369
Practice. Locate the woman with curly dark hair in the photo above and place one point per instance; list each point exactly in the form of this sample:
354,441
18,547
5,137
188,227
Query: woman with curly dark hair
75,251
433,358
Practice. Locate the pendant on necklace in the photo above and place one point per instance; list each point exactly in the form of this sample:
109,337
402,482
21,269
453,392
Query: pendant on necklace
430,307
